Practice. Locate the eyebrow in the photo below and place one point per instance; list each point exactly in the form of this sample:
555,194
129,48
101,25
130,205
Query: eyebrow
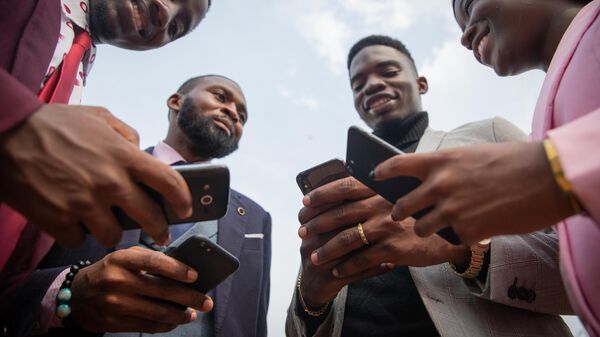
231,95
378,66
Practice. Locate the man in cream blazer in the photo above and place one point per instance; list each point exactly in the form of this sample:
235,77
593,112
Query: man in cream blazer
518,291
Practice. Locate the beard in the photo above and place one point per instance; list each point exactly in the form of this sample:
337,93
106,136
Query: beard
208,140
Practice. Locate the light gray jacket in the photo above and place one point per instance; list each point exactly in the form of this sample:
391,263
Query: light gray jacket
460,307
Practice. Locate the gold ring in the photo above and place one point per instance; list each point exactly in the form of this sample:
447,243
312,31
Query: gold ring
361,233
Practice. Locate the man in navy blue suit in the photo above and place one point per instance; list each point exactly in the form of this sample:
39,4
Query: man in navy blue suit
206,121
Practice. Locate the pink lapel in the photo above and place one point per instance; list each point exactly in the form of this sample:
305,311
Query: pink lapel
544,109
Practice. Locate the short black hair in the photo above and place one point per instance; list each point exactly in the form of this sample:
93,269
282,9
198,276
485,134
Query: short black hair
190,84
379,40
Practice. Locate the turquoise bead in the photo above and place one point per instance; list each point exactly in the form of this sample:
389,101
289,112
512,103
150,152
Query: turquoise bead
63,310
64,295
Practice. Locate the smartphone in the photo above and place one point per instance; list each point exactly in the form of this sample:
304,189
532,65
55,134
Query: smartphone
209,186
364,152
212,262
321,174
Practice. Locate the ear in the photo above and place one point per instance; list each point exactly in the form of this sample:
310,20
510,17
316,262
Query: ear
174,102
423,86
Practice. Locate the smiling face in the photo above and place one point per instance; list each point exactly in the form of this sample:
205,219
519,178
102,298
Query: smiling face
211,116
144,24
385,85
506,35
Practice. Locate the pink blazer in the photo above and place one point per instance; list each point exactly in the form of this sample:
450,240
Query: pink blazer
568,112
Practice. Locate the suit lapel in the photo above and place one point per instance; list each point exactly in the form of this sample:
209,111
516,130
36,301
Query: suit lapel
231,237
430,141
37,44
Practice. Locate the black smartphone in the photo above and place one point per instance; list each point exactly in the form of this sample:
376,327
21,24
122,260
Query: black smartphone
209,186
364,152
321,174
212,262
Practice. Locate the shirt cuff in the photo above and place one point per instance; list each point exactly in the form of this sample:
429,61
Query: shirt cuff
48,319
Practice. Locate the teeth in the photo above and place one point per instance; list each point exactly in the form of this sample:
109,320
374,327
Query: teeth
481,46
380,102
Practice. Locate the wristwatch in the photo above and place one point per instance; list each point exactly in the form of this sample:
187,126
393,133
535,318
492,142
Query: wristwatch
478,251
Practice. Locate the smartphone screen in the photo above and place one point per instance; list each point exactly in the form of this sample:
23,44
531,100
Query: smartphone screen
364,152
321,174
212,262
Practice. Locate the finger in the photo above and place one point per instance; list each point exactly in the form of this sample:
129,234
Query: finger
362,261
164,180
141,259
126,131
430,223
309,245
152,310
307,213
340,245
345,214
418,199
102,224
415,165
174,292
145,211
337,191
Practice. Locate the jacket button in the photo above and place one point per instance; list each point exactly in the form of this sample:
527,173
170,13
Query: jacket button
241,211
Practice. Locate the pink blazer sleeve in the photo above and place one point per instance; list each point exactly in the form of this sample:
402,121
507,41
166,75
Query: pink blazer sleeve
18,102
578,146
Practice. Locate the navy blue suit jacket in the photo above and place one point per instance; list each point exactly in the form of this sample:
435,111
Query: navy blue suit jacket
241,301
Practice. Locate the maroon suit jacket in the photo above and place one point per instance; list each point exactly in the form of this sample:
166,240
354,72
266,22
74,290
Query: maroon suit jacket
29,33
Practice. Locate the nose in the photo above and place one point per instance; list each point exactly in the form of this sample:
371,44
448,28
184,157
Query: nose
161,14
467,38
374,84
230,109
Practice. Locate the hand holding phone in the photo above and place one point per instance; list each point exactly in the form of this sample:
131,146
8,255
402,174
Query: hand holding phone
212,262
364,152
209,186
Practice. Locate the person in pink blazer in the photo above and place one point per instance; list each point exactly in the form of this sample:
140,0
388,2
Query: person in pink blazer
552,180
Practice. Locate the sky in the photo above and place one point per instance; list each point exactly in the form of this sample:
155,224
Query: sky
290,59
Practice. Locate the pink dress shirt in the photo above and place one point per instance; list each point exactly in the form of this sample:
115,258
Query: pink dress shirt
568,112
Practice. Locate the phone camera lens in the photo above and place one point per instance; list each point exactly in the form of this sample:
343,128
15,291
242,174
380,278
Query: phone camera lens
208,250
206,200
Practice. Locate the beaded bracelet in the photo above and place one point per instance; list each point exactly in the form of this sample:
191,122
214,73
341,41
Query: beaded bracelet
63,298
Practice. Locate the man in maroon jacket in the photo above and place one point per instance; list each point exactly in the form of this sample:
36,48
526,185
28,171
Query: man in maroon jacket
64,166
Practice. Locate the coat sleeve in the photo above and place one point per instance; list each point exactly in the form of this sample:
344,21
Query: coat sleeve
577,145
16,101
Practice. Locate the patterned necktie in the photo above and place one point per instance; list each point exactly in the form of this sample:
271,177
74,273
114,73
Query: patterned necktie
60,85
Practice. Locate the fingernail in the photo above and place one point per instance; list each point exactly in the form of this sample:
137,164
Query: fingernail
192,315
207,305
314,257
335,272
192,275
372,175
387,266
302,232
306,200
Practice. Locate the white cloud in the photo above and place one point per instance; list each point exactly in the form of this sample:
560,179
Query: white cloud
300,99
328,34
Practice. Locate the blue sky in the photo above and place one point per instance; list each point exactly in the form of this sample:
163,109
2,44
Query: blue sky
290,59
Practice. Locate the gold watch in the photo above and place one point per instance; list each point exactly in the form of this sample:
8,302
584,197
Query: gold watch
478,251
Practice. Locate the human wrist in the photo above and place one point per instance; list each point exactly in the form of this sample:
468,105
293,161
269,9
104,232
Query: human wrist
65,293
310,307
559,177
460,256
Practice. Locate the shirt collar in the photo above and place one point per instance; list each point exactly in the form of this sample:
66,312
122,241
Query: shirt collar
77,11
168,155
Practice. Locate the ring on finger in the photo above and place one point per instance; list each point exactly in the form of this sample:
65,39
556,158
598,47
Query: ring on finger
361,233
